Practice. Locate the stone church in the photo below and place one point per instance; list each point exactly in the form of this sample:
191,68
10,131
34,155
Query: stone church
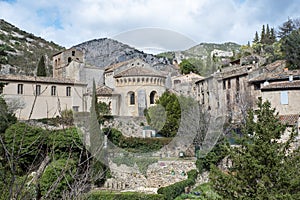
127,87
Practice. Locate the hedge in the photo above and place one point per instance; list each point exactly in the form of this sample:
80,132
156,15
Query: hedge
172,191
99,195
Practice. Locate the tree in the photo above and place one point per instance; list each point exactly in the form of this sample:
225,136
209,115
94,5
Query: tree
41,69
263,35
262,167
165,116
286,28
186,67
291,48
256,38
6,117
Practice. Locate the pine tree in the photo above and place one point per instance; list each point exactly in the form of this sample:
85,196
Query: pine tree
256,38
261,167
286,28
41,69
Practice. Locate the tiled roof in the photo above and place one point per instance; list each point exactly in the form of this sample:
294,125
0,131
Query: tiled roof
289,119
138,71
104,90
275,71
39,79
282,85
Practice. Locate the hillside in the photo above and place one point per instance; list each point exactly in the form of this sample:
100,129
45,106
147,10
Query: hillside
104,52
20,51
207,57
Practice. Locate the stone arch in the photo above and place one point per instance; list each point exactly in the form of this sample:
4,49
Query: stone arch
153,97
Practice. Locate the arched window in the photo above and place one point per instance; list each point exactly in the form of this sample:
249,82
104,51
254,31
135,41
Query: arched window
69,59
131,98
153,96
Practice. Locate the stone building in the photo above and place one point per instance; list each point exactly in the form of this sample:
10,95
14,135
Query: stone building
227,89
42,97
183,84
71,64
133,86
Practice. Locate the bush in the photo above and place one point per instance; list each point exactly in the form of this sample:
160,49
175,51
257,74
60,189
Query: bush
172,191
100,195
55,171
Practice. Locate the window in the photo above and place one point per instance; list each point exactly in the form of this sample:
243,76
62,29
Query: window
229,84
131,98
68,91
152,97
53,90
257,86
73,53
284,98
75,108
20,89
69,59
38,90
224,85
237,84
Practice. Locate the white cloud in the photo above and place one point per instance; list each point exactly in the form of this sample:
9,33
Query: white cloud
71,22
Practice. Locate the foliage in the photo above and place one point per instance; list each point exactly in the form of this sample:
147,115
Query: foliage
172,191
102,110
263,167
186,67
132,144
56,171
291,48
26,144
103,195
286,28
63,142
41,68
219,151
67,117
6,118
172,109
204,192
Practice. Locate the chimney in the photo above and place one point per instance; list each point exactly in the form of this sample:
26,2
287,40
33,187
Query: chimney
291,78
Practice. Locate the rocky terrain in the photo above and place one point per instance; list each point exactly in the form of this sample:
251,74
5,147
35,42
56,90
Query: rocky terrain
20,51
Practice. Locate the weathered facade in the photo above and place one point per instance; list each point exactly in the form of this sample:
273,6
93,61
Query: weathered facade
134,87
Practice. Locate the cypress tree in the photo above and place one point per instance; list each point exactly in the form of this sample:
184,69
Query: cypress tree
41,69
263,35
256,38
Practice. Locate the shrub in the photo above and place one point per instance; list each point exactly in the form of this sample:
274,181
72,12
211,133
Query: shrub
100,195
57,170
172,191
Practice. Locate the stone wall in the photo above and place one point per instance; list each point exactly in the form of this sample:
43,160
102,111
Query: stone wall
160,174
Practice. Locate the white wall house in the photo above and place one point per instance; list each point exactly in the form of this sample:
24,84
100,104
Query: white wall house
42,97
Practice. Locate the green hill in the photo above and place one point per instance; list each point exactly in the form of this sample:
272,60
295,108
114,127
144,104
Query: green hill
20,51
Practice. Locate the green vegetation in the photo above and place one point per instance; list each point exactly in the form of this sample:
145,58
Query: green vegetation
263,168
203,192
41,69
172,191
135,145
291,49
102,195
23,50
186,67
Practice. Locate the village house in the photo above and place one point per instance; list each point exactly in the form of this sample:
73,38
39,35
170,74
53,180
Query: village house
42,97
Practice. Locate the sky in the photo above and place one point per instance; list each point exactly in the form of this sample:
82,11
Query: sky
148,24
